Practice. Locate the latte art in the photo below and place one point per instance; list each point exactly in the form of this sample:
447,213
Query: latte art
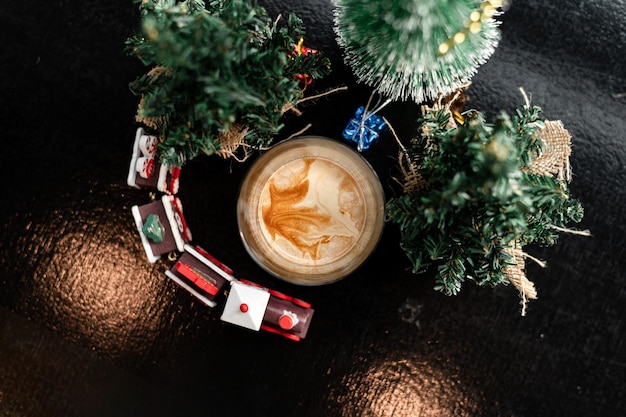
312,211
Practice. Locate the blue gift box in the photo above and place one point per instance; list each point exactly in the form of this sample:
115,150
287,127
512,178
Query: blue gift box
364,131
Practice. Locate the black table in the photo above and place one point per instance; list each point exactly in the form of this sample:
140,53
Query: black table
89,328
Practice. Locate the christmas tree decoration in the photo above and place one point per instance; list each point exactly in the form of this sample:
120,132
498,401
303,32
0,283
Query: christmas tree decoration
220,76
301,50
475,193
366,126
416,50
153,228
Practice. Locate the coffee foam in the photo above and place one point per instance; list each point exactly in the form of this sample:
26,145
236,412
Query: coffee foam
311,211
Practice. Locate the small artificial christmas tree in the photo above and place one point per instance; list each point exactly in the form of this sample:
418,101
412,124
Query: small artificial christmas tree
418,50
475,193
220,76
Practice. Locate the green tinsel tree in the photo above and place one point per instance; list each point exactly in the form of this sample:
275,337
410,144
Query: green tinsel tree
221,73
408,49
475,192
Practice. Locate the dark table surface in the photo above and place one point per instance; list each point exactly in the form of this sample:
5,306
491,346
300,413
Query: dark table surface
89,328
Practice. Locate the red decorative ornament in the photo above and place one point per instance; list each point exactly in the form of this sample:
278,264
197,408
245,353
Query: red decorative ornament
300,49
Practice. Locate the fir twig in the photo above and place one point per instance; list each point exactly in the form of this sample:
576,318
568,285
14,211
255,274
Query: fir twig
482,197
221,66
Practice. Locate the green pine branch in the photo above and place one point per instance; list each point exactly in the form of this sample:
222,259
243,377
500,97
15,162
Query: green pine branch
480,198
218,67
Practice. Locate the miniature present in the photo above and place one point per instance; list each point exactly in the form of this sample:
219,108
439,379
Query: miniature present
364,129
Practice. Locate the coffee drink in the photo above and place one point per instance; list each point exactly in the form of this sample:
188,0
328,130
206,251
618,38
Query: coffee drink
310,210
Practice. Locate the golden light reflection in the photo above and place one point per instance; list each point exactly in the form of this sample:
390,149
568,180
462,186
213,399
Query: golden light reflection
92,280
407,388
